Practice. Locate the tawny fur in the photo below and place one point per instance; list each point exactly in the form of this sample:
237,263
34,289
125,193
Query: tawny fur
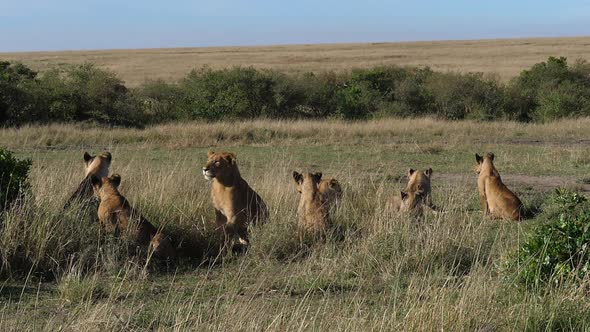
495,198
116,215
329,188
313,210
93,166
419,181
236,204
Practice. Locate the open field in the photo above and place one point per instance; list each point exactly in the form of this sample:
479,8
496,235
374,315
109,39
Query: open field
379,271
505,57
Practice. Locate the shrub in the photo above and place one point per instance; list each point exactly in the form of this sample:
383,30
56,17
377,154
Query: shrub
557,250
552,89
13,178
228,93
547,91
469,96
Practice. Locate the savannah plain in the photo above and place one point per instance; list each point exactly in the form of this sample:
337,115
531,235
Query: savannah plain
503,57
376,270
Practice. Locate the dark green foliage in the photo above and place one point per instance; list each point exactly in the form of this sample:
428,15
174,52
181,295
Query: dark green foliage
229,93
552,89
557,249
547,91
13,178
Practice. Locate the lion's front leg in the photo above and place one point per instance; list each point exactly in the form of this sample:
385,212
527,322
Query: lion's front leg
483,200
222,227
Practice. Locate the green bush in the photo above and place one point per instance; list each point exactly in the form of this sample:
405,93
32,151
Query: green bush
547,91
553,89
13,178
465,96
228,93
557,250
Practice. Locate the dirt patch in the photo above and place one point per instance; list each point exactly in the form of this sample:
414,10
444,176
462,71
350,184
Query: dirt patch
541,183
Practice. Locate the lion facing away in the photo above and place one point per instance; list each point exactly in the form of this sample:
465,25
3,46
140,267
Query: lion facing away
93,166
406,201
329,189
495,198
313,210
236,204
419,181
116,215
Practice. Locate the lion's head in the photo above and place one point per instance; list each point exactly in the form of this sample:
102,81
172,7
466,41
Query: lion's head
219,165
480,161
97,165
306,181
411,201
105,183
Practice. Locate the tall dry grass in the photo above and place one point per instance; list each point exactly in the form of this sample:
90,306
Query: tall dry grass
296,132
376,270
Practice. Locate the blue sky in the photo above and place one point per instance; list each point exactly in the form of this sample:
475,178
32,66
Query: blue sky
27,25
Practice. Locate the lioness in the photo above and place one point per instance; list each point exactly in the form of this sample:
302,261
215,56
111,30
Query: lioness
329,188
236,204
117,216
495,198
419,181
93,166
407,202
313,210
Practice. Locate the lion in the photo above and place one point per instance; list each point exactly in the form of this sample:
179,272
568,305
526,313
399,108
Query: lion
116,215
419,181
236,204
412,202
495,198
329,189
93,166
313,210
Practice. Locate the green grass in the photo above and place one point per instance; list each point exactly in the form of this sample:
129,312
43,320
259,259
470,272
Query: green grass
378,271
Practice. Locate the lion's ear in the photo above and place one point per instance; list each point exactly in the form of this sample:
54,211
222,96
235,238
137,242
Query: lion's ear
428,172
403,195
490,155
107,155
115,179
95,180
317,176
210,153
478,158
231,158
87,157
411,171
297,177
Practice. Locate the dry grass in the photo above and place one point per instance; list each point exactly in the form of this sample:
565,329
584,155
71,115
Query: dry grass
566,132
380,271
505,57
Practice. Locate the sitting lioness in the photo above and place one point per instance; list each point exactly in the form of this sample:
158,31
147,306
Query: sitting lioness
495,198
117,216
419,181
313,210
93,166
236,204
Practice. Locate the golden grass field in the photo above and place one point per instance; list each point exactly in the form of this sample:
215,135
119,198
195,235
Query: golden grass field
504,57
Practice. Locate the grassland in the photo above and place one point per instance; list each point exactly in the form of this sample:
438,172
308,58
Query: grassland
380,271
504,57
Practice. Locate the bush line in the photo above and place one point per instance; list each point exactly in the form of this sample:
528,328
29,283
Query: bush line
84,93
